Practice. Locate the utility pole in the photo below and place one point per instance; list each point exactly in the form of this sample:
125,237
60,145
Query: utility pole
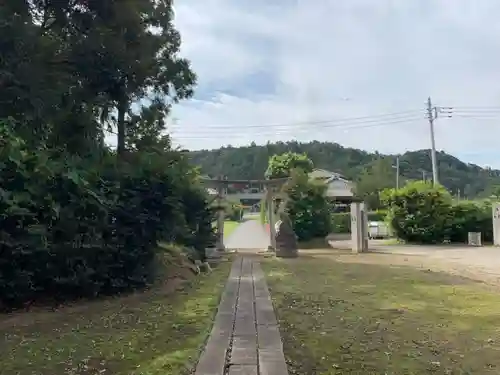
432,115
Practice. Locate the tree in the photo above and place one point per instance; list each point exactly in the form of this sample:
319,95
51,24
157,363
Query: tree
281,166
307,206
145,130
93,60
376,177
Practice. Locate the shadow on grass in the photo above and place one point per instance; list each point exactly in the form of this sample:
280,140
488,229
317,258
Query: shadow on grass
340,318
154,332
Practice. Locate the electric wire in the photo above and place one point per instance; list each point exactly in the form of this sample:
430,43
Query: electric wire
239,132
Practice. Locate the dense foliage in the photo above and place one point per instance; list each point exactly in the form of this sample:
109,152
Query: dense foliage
341,221
92,61
234,212
69,231
372,172
306,203
280,166
77,218
307,207
421,213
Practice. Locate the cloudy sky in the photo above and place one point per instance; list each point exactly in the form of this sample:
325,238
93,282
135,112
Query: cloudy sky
355,72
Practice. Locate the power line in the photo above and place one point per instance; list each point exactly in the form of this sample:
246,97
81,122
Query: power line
362,119
273,131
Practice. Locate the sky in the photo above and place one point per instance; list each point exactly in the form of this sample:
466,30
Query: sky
354,72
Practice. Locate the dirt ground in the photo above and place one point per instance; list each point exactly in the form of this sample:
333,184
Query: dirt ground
478,263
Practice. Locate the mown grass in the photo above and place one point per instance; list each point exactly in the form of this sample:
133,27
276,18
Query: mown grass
342,318
160,331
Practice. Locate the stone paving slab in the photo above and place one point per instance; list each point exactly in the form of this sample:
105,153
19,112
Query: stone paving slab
245,338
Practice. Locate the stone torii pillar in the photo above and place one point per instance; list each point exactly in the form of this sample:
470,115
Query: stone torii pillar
271,218
219,244
359,227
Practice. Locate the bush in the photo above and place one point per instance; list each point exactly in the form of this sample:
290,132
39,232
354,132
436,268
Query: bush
419,212
70,231
468,217
234,212
341,222
379,215
307,207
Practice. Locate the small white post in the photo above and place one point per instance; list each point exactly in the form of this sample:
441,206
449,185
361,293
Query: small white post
496,223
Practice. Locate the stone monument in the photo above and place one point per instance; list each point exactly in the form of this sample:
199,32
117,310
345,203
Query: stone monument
286,240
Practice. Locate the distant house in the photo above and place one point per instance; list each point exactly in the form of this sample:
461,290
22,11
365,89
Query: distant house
338,185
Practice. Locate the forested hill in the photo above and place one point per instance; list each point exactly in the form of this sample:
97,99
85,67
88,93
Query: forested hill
250,163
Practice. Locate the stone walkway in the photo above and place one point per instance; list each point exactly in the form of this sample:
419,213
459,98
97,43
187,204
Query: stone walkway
250,234
245,338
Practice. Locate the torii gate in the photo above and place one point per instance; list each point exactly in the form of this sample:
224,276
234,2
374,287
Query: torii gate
272,191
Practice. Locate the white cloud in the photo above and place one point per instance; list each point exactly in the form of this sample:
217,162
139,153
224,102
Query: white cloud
384,56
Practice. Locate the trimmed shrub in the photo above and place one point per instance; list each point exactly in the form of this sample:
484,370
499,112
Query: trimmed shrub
341,222
419,213
379,215
234,212
468,217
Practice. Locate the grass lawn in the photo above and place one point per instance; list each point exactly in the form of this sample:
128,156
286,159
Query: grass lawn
348,318
160,331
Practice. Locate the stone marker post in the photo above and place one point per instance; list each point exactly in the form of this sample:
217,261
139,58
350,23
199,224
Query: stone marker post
359,225
496,223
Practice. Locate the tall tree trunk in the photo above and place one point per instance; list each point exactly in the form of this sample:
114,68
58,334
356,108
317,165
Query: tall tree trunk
122,127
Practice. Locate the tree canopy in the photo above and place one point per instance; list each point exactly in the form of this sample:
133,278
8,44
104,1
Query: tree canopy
281,166
73,69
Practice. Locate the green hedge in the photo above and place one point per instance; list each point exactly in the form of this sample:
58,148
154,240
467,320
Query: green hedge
69,231
468,217
421,213
234,212
341,222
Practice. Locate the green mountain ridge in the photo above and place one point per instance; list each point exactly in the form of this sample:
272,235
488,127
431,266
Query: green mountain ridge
250,162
